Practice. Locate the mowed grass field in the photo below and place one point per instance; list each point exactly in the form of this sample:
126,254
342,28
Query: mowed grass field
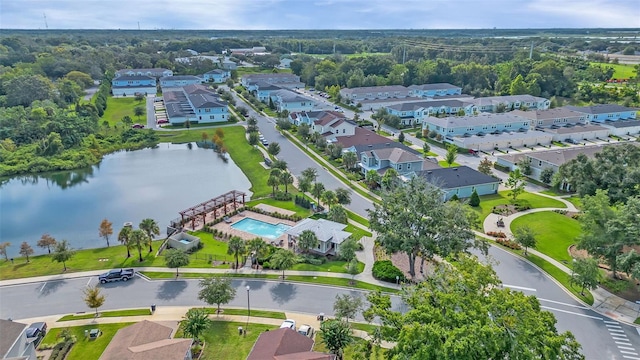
117,108
621,71
555,233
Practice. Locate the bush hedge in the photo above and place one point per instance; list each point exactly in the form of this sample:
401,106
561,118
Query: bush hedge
384,270
60,350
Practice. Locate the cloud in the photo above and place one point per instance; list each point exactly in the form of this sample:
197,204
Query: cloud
318,14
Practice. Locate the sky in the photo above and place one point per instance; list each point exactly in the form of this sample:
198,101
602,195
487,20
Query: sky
318,14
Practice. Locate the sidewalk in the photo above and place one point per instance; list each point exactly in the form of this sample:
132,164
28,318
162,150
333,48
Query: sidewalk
177,313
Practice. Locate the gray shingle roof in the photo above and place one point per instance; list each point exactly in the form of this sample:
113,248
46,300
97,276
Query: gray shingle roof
325,230
435,86
180,77
375,89
561,112
11,330
482,119
134,77
600,109
456,177
206,101
411,106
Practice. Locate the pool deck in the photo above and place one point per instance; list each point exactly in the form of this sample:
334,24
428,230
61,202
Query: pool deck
226,227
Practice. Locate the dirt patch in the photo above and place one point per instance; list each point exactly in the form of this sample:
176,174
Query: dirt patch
504,210
401,261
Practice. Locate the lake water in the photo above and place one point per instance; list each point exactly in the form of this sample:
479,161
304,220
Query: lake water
125,186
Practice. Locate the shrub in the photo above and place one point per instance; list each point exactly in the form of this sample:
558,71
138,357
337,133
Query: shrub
454,198
61,350
508,243
266,265
384,270
474,200
283,196
497,234
432,134
419,135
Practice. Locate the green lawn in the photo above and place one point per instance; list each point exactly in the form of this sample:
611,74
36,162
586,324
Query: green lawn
115,313
353,351
117,108
336,266
487,202
369,328
430,153
555,233
112,257
576,201
223,342
85,349
357,232
445,165
621,71
357,218
254,313
287,205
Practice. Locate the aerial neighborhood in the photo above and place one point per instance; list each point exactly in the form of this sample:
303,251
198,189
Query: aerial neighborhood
319,194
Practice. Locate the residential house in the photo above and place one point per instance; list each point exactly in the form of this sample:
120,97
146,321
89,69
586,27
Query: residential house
460,181
432,90
228,64
147,340
504,141
356,95
13,342
552,159
360,137
330,234
262,90
605,112
154,72
287,80
179,81
451,126
545,118
285,63
510,102
256,50
195,103
413,113
217,76
383,157
563,123
290,100
318,121
285,344
622,127
130,85
374,105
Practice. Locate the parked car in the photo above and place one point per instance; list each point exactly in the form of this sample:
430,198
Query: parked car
35,333
116,275
306,330
291,324
137,126
264,142
570,141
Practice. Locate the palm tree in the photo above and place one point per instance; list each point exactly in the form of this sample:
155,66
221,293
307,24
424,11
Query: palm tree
317,190
195,322
349,159
310,174
286,179
389,178
237,248
124,237
138,240
273,181
306,241
344,196
372,178
338,214
150,227
283,259
258,247
329,198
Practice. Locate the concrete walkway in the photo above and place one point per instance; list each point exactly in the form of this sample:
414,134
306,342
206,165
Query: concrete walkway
177,313
604,302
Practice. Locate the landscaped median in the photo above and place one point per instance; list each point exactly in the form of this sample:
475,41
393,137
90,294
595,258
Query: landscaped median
527,200
103,314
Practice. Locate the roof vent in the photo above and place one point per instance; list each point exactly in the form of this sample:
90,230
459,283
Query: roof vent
370,145
455,169
387,144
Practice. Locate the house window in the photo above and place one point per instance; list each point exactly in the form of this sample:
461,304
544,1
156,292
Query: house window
212,117
207,110
343,131
223,116
409,166
337,131
399,166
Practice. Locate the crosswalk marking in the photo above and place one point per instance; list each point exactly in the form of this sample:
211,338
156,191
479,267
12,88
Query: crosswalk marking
623,343
631,357
614,326
616,330
611,322
626,348
628,352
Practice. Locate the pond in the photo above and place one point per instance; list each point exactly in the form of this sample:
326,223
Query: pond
126,186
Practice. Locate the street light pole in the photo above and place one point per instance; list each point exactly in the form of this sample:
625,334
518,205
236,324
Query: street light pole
248,311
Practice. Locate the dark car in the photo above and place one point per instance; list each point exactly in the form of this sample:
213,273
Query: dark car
137,126
35,333
116,275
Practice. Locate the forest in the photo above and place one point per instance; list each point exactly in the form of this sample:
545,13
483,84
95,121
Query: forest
45,124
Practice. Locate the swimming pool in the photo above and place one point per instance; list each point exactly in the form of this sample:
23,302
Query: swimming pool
261,228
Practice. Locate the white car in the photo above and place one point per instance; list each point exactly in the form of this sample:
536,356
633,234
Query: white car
306,330
291,324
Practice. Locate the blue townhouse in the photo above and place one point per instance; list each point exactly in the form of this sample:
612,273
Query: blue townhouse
453,126
461,181
130,85
285,99
432,90
179,81
412,113
605,112
217,76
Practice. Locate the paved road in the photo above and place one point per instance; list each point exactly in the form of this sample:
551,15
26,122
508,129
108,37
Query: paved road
600,336
297,161
65,296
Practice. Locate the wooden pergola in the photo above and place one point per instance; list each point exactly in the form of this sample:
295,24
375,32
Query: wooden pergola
228,202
